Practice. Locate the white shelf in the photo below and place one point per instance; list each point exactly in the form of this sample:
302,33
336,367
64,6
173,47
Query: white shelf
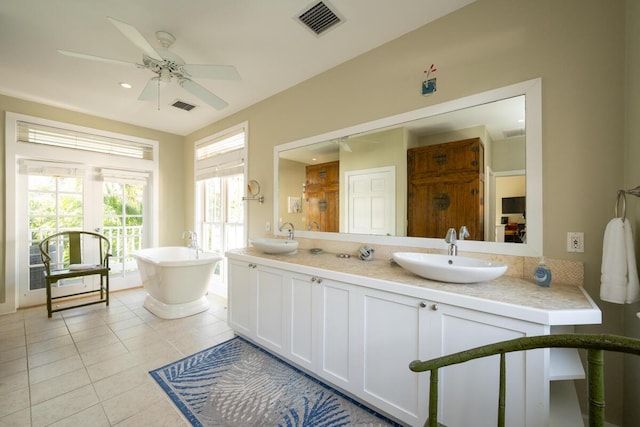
565,364
564,409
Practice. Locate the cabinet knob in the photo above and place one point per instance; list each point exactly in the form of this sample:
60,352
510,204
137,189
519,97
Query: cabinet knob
313,279
434,307
319,280
251,265
423,304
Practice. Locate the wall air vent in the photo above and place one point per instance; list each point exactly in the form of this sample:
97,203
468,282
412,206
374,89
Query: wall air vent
319,18
183,105
513,133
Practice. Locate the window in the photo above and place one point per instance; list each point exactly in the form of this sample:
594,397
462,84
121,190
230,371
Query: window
55,205
66,177
220,162
67,138
123,222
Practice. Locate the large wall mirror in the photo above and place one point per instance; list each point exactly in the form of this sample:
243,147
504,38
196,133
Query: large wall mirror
404,180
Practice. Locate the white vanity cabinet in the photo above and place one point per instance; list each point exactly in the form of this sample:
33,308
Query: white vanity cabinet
241,297
359,333
396,329
321,335
256,303
474,385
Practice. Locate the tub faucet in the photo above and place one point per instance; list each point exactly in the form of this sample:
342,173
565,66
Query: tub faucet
291,229
452,240
312,224
193,241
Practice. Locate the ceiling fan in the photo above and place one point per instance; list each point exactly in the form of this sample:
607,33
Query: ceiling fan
167,65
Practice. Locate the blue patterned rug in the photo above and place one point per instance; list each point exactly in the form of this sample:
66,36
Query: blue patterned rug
238,384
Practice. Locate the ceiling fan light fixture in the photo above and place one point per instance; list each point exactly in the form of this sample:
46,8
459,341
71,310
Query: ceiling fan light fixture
166,65
164,75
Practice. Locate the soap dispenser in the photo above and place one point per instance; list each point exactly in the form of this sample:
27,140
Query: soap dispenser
542,275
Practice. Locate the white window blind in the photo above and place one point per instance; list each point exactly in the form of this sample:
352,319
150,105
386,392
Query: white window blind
221,156
37,167
48,135
124,176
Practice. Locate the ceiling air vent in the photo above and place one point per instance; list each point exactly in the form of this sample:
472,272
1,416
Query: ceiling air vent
513,133
319,18
183,105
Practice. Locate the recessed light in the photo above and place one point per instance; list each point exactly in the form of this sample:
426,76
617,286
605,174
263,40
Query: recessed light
125,85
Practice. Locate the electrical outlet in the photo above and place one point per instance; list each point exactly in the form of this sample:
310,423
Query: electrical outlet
267,226
575,241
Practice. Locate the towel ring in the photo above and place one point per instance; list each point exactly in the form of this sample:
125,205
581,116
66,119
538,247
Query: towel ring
623,197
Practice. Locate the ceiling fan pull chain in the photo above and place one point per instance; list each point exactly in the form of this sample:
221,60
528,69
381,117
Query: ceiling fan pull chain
158,94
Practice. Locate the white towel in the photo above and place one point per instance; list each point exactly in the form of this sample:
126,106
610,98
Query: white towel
619,280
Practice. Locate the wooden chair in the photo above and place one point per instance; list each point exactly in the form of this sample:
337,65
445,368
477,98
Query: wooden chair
72,254
594,344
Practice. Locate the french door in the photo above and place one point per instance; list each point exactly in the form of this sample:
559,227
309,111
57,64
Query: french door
82,201
221,218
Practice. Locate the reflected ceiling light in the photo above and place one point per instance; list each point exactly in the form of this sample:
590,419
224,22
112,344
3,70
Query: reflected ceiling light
125,85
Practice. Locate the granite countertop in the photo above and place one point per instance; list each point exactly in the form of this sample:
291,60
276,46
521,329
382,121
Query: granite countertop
559,300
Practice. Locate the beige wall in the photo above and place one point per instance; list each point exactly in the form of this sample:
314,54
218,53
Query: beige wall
631,180
577,47
292,176
508,155
171,185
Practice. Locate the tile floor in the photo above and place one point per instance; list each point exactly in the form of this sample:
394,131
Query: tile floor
89,366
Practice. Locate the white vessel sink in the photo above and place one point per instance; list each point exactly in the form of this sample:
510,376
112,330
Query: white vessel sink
447,268
275,246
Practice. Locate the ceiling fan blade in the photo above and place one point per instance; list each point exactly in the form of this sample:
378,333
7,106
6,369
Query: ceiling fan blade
150,91
136,38
220,72
95,58
203,94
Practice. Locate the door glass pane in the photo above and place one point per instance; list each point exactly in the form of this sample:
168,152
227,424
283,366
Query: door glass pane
123,223
234,226
223,211
54,205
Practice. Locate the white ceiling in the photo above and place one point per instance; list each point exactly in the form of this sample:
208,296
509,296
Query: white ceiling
271,50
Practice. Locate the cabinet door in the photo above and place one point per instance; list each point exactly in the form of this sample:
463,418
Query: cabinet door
451,201
323,195
395,333
270,308
241,303
300,315
336,336
452,157
474,385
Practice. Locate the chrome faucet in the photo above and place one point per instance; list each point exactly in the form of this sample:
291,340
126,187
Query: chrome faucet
452,240
463,233
312,224
291,229
193,241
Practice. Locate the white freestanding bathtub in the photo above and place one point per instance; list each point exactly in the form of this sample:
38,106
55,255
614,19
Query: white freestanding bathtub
175,279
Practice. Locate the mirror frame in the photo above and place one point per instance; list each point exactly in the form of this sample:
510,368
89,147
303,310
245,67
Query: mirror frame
532,89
